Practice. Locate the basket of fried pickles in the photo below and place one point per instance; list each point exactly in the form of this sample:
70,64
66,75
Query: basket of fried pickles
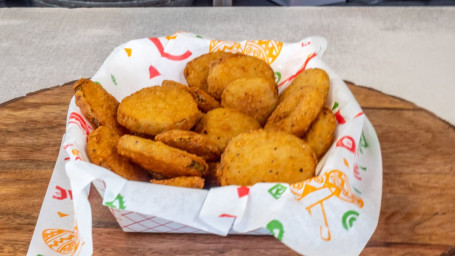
232,126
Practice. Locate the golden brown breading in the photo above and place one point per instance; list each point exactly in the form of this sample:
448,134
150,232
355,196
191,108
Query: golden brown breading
192,142
102,151
204,101
254,96
314,77
321,133
223,124
96,104
184,181
266,156
197,70
155,109
233,67
161,158
296,113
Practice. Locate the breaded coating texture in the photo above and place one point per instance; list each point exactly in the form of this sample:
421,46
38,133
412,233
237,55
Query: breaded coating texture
321,133
296,113
197,70
188,182
314,77
96,104
233,67
266,156
205,101
192,142
102,151
155,109
254,96
223,124
161,158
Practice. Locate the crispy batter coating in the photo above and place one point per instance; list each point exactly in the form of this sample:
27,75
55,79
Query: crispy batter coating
161,158
266,156
184,181
205,101
296,113
197,70
192,142
223,124
96,104
102,151
155,109
254,96
233,67
314,77
321,133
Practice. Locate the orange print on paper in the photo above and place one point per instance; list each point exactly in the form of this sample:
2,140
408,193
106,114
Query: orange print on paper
267,50
174,36
76,153
315,191
63,241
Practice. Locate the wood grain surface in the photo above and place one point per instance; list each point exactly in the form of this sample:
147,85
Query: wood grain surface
418,202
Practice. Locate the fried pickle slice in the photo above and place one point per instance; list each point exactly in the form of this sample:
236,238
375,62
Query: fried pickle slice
314,77
155,109
233,67
197,70
297,112
184,181
102,151
96,104
223,124
205,101
161,158
254,96
321,133
192,142
266,156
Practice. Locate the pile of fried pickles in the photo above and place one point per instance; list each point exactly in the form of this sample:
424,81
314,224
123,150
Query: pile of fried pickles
227,126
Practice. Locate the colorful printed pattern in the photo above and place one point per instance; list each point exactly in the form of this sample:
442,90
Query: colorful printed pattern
334,184
314,195
267,50
348,219
62,241
309,57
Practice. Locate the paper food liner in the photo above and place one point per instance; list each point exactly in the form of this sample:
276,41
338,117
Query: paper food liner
334,213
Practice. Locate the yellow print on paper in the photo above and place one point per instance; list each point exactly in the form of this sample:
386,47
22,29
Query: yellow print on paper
315,191
267,50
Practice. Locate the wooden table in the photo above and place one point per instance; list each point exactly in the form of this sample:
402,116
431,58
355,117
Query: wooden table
418,206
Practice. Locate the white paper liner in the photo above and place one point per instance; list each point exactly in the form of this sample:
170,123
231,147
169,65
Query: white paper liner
334,213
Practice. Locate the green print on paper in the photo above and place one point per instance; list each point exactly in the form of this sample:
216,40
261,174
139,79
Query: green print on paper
356,190
276,228
118,203
363,143
96,82
348,219
113,79
363,168
335,105
198,36
277,77
277,190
